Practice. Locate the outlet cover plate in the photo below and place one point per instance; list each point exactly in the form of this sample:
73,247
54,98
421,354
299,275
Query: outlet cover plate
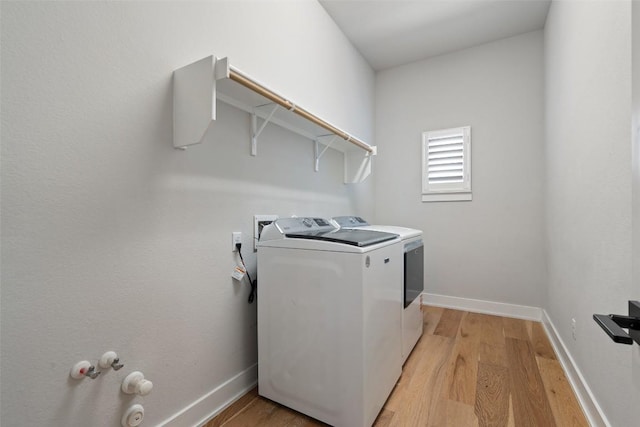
236,237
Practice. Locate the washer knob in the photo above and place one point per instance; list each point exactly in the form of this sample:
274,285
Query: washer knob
134,383
133,417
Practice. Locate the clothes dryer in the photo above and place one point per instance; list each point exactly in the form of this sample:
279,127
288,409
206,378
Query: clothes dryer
411,278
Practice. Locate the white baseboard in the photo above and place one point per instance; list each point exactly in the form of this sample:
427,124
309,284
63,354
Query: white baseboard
481,306
590,406
199,412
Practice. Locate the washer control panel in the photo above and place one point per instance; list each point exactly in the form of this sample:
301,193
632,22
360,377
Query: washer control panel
308,225
304,224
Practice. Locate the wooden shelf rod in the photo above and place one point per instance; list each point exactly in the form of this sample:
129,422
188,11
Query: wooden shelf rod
244,80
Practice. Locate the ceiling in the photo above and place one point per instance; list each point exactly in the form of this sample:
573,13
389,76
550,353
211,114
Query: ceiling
389,33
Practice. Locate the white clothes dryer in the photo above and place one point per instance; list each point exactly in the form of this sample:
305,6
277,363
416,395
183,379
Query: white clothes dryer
411,278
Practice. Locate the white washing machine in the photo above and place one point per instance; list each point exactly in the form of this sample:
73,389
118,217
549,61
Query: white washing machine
411,279
328,319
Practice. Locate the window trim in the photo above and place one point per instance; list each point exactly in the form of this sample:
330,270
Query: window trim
458,191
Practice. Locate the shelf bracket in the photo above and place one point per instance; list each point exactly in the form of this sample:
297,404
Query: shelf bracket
194,99
317,153
357,166
255,132
198,86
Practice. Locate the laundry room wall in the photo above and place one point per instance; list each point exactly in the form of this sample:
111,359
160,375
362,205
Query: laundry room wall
490,248
635,210
635,129
588,193
114,240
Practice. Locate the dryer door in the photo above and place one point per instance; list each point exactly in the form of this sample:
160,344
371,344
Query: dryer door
413,271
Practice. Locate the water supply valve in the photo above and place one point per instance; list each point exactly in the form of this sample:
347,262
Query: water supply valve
110,360
135,383
84,369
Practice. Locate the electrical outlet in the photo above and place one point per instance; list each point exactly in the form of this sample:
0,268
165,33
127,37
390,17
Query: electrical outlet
259,222
236,237
573,328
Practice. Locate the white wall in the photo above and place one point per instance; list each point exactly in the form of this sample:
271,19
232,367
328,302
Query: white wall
635,211
492,247
635,129
588,191
113,240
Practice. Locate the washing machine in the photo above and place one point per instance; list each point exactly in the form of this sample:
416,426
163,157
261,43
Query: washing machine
411,279
328,342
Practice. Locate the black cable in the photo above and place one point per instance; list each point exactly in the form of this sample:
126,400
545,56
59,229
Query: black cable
253,283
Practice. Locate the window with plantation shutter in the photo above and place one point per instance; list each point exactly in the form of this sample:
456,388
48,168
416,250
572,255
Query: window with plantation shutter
446,165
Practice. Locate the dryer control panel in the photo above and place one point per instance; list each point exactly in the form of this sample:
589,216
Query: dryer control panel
350,221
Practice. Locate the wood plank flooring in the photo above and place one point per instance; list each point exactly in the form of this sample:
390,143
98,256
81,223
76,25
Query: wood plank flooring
468,369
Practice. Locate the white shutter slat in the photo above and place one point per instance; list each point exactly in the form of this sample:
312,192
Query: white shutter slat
446,139
447,147
447,155
446,161
446,167
445,180
441,175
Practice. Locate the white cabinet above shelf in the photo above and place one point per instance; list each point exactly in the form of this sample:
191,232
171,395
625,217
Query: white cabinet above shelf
197,86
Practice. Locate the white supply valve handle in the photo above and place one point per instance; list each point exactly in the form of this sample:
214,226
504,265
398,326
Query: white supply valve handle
133,417
79,369
134,383
110,360
84,369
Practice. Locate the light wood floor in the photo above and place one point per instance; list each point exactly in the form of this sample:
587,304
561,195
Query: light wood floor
468,369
